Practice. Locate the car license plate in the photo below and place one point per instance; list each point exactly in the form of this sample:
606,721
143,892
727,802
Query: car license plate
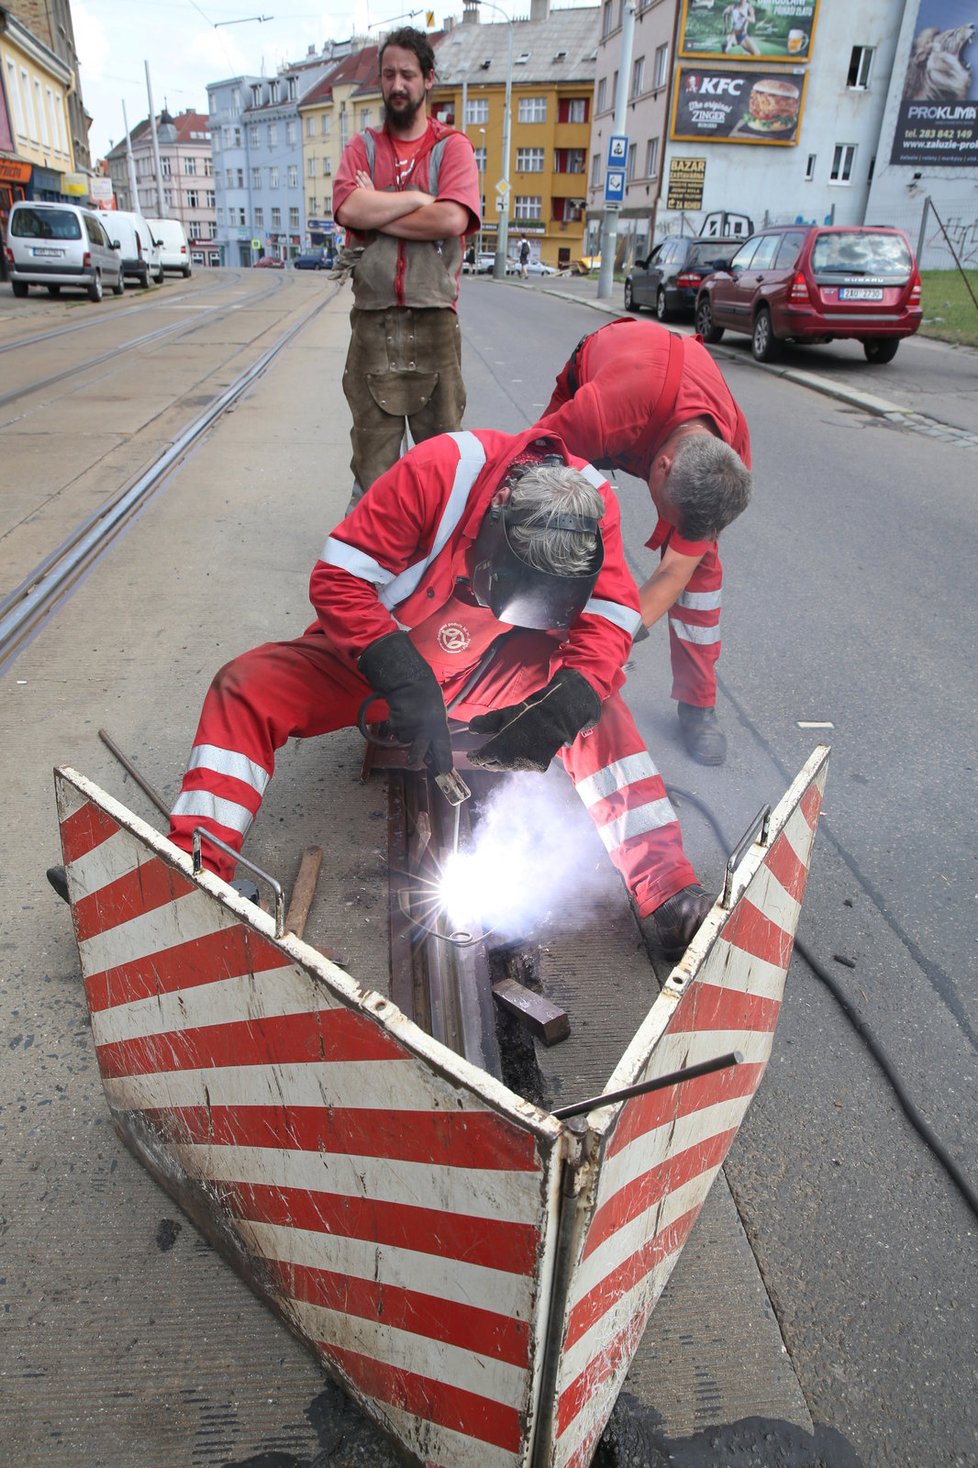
859,293
56,253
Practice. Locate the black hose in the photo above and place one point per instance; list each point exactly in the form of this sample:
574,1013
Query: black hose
919,1123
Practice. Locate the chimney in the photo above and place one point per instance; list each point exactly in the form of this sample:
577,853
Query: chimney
539,9
470,12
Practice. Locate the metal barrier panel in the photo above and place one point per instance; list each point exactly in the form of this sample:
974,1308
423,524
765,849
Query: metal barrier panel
393,1203
651,1160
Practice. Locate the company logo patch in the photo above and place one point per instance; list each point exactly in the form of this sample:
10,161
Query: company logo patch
453,637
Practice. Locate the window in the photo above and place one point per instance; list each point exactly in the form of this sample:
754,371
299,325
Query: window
310,127
165,167
661,66
242,217
220,216
311,167
630,165
236,135
569,160
256,178
607,11
528,206
327,167
860,66
240,177
193,229
595,170
365,118
253,134
208,168
312,205
209,197
652,158
810,167
293,218
766,252
533,109
190,166
273,178
573,109
638,76
193,199
230,178
293,175
259,218
842,161
480,159
476,110
529,160
602,93
273,134
788,249
327,124
210,232
290,128
276,219
566,211
744,255
292,89
167,199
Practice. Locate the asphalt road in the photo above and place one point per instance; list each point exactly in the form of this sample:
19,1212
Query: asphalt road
850,601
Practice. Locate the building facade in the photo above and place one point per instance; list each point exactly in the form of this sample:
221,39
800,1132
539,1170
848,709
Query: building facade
36,157
345,102
50,21
184,187
552,80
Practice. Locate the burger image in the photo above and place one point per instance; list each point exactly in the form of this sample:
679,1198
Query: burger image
772,106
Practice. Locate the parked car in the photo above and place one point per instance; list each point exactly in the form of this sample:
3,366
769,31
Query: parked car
174,250
57,245
540,267
315,259
668,280
269,262
815,284
140,252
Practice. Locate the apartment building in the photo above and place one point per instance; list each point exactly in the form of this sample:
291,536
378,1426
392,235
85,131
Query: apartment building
36,157
184,187
345,102
50,21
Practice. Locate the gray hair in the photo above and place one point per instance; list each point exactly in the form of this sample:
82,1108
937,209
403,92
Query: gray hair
708,486
542,492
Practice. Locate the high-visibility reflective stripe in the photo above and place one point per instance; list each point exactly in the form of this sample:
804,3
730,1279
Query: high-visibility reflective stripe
229,762
471,460
687,633
614,777
613,611
638,822
699,601
222,812
357,562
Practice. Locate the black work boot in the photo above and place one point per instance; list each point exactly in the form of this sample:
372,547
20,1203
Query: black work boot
705,741
59,881
669,929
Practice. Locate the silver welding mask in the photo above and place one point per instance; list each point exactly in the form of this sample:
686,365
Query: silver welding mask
519,593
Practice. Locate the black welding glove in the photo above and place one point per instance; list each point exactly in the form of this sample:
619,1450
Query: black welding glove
527,735
396,670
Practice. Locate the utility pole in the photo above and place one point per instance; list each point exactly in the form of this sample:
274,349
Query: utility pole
156,146
130,166
609,227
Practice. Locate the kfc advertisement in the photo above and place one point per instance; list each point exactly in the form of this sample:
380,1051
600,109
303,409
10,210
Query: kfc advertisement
938,119
737,106
739,30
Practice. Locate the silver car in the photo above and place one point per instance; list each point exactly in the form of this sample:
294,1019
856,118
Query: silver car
57,245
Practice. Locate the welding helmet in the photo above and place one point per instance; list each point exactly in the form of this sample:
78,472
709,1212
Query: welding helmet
516,591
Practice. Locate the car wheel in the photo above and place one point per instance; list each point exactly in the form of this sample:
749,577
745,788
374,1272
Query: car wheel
661,308
54,290
120,285
186,272
629,297
880,349
763,342
158,279
95,287
704,322
144,280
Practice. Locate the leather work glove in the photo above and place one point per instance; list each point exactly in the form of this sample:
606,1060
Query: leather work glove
527,735
397,672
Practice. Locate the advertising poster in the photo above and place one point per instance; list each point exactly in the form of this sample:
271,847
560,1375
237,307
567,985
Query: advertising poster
758,30
687,177
737,106
937,123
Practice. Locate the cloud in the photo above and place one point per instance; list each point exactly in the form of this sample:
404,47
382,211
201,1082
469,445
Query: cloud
91,42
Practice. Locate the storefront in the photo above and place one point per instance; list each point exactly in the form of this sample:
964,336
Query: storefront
15,178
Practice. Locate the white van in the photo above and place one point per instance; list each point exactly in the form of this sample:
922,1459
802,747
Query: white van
140,252
174,251
57,245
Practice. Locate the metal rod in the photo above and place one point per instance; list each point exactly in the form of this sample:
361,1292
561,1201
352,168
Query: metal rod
676,1077
130,769
200,833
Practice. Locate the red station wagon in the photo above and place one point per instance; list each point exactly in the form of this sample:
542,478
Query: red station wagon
815,284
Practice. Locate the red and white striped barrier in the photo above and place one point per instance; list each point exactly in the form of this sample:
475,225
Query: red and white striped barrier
477,1273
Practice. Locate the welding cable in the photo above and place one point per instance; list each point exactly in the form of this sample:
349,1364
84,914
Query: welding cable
863,1029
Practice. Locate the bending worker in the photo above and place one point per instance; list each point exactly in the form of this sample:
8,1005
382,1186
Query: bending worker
407,195
638,398
468,537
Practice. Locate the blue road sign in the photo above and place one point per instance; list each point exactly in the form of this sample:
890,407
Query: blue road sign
614,186
617,150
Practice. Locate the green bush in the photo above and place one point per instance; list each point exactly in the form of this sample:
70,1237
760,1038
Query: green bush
950,314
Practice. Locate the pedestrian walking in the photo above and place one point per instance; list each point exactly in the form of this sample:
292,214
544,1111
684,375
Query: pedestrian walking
525,257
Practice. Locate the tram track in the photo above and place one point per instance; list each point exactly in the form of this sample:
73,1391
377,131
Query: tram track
51,581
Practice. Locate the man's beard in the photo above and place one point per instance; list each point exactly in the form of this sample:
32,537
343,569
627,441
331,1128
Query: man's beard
402,118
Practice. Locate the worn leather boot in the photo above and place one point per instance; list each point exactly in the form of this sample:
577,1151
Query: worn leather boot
669,929
705,741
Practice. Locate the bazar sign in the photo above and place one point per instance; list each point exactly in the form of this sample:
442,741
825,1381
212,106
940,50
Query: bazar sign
937,123
737,106
770,30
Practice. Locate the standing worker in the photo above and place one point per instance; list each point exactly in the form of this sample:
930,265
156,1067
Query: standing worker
408,194
484,573
639,398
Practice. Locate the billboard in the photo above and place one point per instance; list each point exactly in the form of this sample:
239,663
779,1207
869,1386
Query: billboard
770,30
710,105
937,123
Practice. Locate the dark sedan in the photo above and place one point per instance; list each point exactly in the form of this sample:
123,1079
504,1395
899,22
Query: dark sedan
669,279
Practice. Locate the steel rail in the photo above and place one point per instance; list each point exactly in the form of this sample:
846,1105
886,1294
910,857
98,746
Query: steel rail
177,328
150,303
48,585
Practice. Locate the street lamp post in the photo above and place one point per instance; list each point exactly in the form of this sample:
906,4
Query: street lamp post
502,229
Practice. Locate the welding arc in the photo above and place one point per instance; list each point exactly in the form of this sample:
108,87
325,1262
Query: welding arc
863,1029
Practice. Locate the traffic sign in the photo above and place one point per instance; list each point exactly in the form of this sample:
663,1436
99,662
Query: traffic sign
256,244
617,150
614,187
502,187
